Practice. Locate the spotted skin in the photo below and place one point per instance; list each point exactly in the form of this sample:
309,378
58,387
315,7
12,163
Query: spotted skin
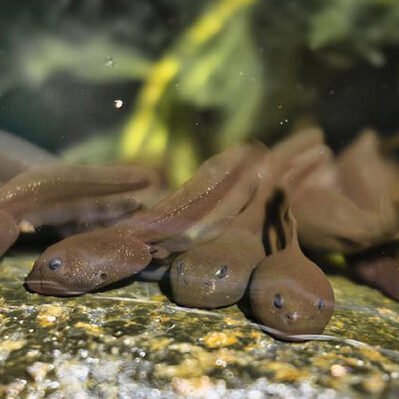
57,194
200,209
216,273
288,292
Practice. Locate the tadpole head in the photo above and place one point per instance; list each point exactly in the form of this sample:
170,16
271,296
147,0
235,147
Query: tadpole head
200,279
294,299
215,273
87,262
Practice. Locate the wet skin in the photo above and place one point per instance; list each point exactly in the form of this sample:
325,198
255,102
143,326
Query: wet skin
216,273
343,236
17,155
291,294
371,188
56,194
123,252
199,210
326,200
327,219
343,206
287,291
378,267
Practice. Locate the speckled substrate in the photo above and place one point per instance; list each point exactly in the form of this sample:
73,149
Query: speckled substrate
132,342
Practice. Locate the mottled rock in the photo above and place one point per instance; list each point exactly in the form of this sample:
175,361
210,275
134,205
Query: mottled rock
132,342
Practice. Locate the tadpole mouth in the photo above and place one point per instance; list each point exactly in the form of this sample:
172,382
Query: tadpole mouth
50,288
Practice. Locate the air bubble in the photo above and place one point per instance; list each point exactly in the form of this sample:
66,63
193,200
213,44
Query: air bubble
109,62
118,104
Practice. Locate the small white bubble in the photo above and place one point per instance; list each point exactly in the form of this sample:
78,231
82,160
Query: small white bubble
241,73
109,62
255,394
115,350
228,374
171,327
52,385
337,370
118,104
83,353
220,363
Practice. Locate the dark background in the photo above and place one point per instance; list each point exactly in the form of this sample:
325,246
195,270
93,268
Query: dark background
348,82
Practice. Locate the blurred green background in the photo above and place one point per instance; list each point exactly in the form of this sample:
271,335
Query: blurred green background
168,82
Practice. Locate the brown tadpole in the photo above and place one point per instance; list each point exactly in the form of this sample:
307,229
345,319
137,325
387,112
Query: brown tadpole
202,207
327,219
377,267
367,176
58,193
17,155
86,263
216,273
287,291
9,231
341,205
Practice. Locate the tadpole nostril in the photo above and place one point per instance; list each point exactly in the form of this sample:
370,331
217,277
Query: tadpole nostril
103,276
208,285
292,316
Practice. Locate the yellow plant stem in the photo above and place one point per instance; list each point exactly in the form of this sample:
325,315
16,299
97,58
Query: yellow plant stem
143,135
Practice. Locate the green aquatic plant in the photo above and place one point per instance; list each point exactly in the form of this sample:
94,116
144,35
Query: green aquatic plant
349,31
89,60
206,74
193,71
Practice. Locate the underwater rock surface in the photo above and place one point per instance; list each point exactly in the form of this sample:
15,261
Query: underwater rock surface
131,342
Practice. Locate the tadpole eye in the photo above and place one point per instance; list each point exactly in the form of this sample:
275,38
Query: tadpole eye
278,301
222,272
55,263
320,304
180,268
